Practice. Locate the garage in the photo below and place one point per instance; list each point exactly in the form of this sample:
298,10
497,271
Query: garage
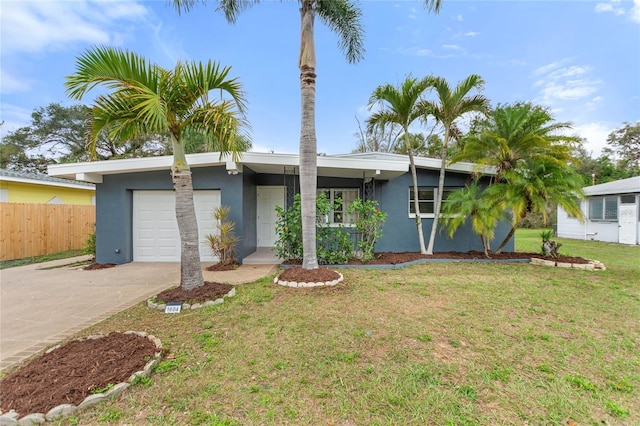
155,230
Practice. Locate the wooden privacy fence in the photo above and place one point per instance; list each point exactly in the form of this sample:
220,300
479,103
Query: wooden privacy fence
37,229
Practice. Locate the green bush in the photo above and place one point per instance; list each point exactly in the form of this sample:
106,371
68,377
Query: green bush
224,243
90,245
335,243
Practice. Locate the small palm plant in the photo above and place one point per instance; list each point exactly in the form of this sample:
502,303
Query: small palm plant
224,243
549,247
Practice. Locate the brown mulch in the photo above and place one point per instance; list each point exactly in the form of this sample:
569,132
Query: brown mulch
95,266
209,291
217,267
309,275
67,375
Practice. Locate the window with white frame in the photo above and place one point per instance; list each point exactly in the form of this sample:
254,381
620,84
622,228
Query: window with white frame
426,200
603,208
347,195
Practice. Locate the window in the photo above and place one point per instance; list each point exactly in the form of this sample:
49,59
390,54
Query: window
603,208
426,200
347,196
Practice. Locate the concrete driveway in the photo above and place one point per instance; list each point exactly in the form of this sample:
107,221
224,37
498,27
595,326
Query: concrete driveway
40,306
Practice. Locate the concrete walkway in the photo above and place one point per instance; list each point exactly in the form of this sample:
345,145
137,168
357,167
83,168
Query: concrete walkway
40,306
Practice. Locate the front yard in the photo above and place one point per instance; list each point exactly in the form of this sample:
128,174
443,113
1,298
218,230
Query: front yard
458,344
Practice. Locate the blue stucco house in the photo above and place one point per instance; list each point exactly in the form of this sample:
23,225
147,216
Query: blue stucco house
135,217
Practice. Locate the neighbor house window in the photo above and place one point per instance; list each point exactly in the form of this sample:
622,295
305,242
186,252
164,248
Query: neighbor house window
603,208
347,196
426,200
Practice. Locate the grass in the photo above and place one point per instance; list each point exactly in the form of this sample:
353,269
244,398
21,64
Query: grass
445,344
40,259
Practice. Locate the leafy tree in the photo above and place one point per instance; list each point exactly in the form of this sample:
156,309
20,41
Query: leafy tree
376,139
343,18
400,107
144,99
57,134
624,144
450,106
597,170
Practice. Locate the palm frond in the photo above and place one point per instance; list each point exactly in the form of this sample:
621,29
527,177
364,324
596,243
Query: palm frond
344,18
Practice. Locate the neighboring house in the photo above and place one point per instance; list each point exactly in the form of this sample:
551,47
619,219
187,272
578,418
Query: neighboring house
22,187
611,211
135,201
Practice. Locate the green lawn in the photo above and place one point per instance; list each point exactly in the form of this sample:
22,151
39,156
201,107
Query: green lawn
432,344
40,259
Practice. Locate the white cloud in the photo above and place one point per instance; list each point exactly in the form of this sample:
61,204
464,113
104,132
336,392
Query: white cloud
9,83
635,11
35,26
415,51
595,134
471,34
13,117
594,102
560,82
451,47
609,7
459,18
412,13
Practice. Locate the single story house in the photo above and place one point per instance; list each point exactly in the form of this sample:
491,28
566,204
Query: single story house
23,187
135,217
611,211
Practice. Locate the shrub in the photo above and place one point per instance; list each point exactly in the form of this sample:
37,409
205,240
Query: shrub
369,222
90,245
224,243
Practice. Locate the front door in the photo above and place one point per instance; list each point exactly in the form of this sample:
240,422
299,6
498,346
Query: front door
268,198
628,223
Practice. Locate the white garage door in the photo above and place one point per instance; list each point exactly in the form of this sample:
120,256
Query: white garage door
155,230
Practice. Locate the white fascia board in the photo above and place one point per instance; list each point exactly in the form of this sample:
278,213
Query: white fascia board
363,164
46,183
434,163
622,186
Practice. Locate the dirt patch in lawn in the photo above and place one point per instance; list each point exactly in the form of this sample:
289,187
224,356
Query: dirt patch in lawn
209,291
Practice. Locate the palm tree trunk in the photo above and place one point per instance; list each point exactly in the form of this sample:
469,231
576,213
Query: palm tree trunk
308,143
190,268
438,205
416,203
507,238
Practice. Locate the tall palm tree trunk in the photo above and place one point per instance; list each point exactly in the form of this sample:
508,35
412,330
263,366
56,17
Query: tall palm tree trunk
416,203
190,267
438,200
308,143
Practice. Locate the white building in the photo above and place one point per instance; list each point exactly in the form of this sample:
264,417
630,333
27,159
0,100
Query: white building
611,211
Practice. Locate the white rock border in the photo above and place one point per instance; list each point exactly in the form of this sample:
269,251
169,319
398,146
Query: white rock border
13,418
187,306
301,285
593,265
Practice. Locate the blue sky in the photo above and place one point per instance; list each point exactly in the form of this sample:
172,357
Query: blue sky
579,58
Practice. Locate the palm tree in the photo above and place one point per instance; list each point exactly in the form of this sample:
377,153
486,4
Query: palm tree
342,17
449,107
402,106
480,205
513,134
531,154
146,98
532,187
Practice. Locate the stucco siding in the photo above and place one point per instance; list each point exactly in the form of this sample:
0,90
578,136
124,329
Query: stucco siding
400,233
114,205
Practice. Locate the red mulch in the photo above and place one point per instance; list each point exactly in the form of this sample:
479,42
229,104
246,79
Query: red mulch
209,291
68,374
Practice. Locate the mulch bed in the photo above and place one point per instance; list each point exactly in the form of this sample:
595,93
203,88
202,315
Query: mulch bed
209,291
69,374
217,267
309,275
95,266
389,258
